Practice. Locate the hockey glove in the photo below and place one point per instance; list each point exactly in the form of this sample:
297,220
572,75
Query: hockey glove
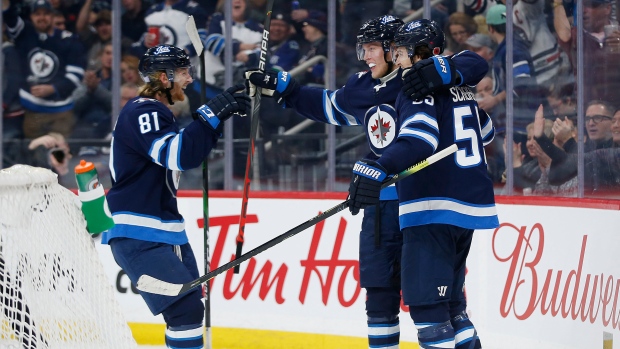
365,186
428,76
273,83
221,107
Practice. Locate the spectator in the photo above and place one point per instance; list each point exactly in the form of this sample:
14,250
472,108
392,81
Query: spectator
95,37
602,80
283,51
599,115
563,171
482,44
165,23
12,111
58,20
69,10
530,25
93,104
522,69
128,91
315,30
459,28
133,24
246,38
53,62
129,70
528,170
562,100
50,151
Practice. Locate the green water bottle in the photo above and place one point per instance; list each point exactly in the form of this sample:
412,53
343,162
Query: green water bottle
91,194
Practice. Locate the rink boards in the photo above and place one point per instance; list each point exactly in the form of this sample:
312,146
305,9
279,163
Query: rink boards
547,278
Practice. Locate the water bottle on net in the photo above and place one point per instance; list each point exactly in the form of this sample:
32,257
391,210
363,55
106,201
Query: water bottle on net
91,194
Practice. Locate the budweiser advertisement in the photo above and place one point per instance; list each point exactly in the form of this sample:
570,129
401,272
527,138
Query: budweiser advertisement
546,278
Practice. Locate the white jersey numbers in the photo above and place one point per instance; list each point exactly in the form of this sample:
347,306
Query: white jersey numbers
144,121
466,157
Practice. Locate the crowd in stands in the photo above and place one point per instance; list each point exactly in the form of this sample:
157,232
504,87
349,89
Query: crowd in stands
57,73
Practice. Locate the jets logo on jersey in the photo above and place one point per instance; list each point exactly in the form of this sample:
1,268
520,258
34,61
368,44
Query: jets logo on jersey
43,65
360,74
381,127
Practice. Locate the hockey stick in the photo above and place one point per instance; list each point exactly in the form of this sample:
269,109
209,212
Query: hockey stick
147,283
253,131
194,37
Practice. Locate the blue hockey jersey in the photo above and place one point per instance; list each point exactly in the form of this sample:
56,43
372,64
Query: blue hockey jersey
148,154
366,101
57,59
457,189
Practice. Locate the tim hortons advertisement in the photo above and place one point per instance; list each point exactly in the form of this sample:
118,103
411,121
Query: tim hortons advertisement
546,278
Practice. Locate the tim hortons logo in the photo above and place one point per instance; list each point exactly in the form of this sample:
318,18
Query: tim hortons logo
570,294
271,279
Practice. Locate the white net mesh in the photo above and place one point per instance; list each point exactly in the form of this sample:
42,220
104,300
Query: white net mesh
54,292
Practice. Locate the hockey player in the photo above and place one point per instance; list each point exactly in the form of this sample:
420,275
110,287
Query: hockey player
441,205
367,99
147,156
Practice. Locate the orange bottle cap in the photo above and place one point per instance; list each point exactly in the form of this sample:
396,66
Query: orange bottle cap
84,167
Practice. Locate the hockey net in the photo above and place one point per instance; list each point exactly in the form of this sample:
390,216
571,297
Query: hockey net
54,290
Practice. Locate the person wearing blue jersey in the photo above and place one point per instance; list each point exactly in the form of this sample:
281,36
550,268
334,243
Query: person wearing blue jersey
148,154
368,99
440,206
52,61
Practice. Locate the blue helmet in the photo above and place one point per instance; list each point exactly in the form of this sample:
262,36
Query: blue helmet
421,32
381,29
166,58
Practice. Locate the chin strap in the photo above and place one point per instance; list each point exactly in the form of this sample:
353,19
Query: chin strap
167,92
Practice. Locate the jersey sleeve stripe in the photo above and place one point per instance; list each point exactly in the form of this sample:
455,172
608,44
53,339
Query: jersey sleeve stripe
329,110
423,118
350,119
487,130
427,137
74,69
173,161
74,79
14,32
156,148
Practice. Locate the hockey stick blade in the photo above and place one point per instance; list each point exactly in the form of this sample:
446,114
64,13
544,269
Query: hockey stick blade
147,283
192,32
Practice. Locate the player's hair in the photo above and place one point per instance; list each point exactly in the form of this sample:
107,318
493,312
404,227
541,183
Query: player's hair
154,86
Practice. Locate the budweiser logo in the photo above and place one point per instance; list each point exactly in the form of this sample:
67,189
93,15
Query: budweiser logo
531,289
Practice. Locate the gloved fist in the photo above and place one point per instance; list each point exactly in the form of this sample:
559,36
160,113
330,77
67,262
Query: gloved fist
428,76
273,83
368,176
221,107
